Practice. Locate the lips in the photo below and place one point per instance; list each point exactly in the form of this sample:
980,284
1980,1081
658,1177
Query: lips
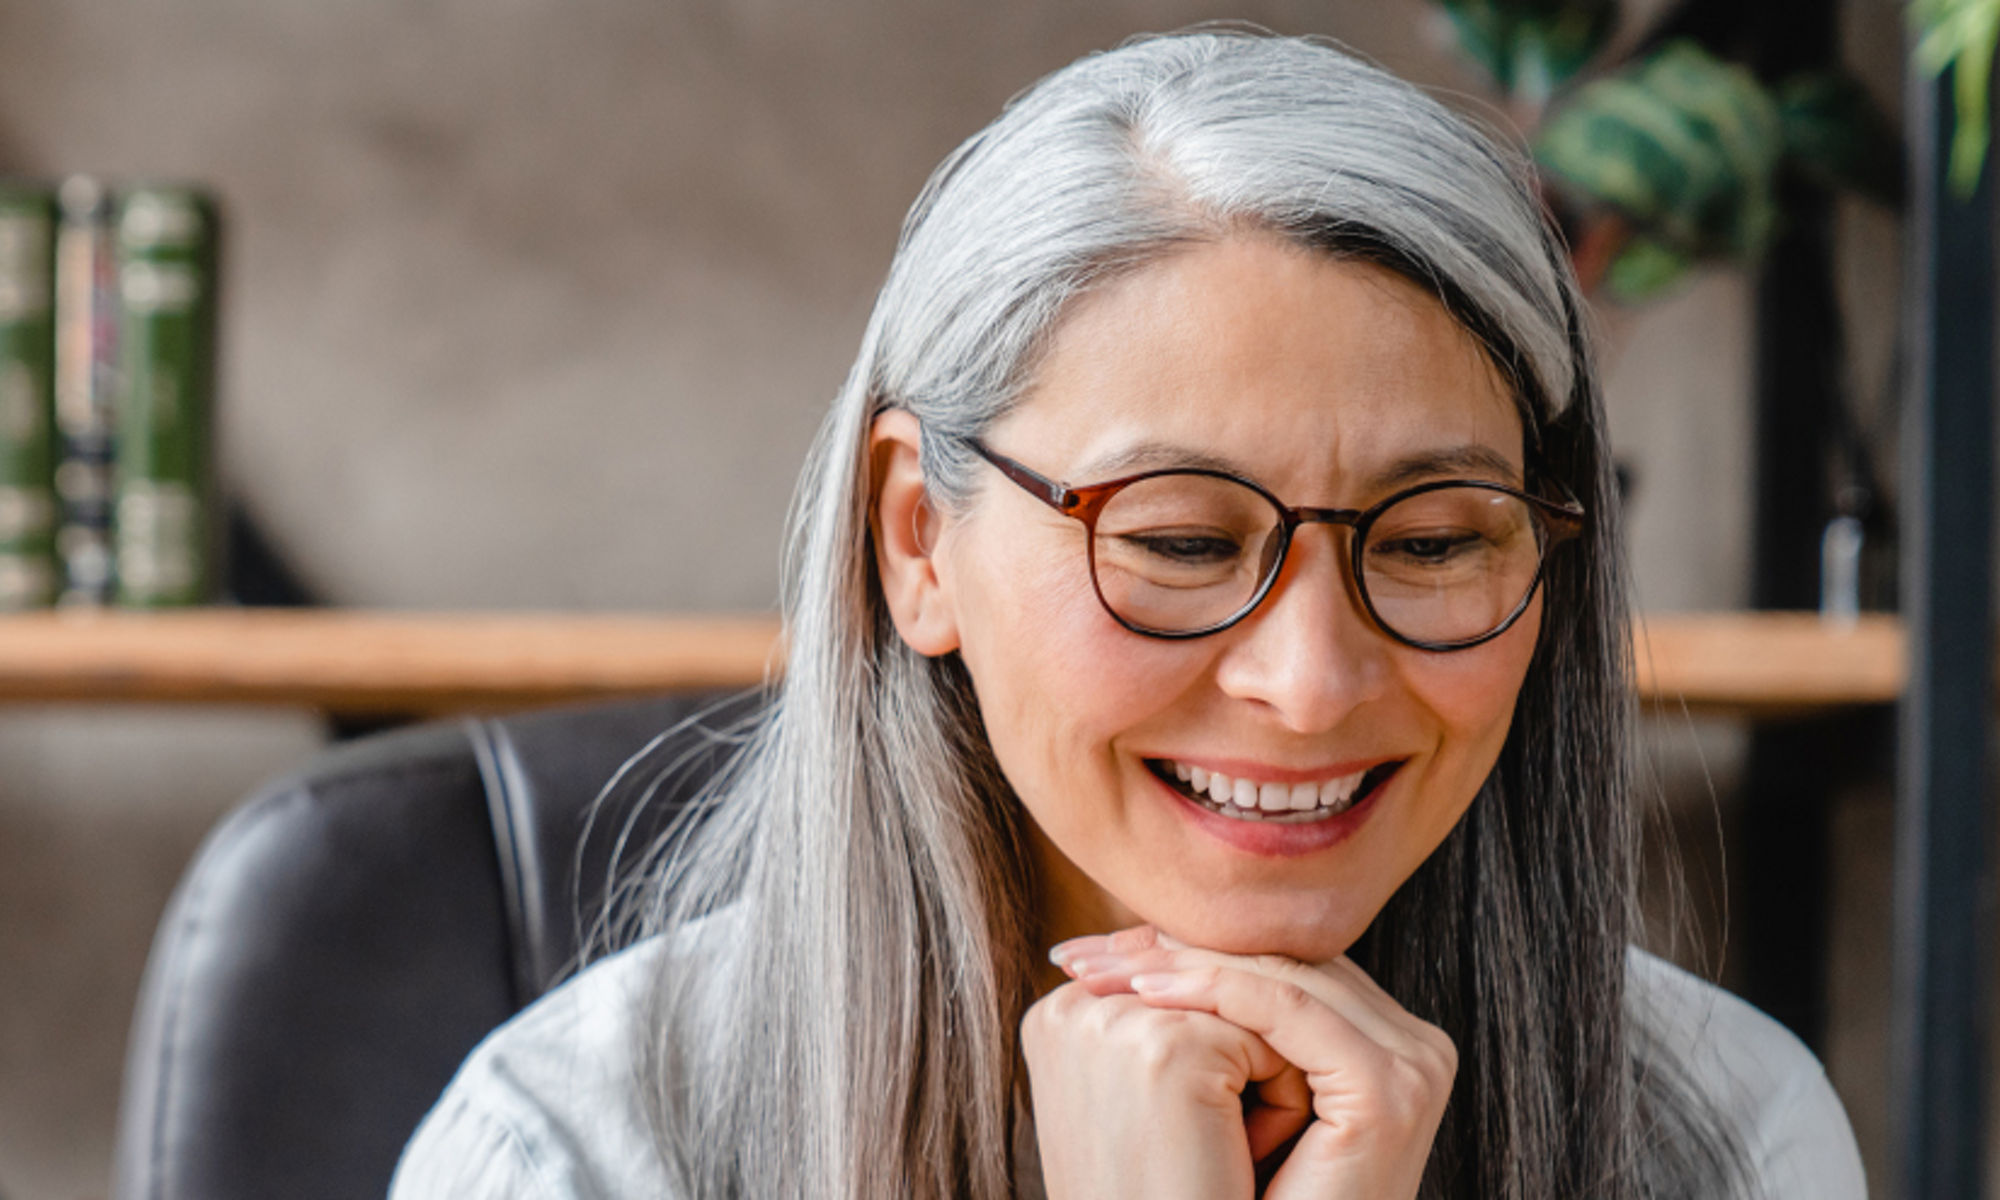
1272,802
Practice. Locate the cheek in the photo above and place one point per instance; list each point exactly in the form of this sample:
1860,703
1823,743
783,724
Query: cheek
1472,692
1058,680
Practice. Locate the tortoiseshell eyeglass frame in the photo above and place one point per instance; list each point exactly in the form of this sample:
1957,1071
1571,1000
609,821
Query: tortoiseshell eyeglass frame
1558,520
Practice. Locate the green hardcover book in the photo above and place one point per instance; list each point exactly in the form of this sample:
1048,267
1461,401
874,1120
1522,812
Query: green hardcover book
86,373
165,514
27,396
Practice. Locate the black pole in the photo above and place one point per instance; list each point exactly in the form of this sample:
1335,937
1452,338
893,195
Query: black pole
1800,359
1793,769
1943,907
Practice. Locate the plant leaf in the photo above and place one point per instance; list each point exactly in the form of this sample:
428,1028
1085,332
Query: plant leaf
1961,36
1836,134
1644,269
1532,47
1682,145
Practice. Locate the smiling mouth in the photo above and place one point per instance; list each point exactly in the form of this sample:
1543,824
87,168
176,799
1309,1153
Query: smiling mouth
1279,803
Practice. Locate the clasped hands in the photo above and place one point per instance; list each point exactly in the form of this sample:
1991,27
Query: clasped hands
1163,1070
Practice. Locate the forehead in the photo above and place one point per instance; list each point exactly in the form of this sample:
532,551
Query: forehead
1306,371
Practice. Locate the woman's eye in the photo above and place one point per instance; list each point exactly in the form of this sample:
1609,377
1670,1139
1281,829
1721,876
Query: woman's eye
1185,547
1430,549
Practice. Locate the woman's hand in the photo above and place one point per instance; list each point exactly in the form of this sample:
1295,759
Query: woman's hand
1365,1080
1136,1099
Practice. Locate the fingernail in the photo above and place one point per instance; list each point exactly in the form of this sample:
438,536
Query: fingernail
1170,943
1062,952
1095,964
1162,984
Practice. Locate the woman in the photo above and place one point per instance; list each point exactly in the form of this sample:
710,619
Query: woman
1201,762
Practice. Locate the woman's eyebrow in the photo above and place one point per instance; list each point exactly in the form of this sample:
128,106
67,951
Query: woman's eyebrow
1472,458
1149,455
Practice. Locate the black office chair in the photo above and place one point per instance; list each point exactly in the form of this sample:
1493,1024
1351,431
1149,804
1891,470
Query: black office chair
348,935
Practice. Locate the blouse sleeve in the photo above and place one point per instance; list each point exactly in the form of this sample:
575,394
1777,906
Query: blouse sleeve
1761,1080
549,1106
465,1154
1803,1146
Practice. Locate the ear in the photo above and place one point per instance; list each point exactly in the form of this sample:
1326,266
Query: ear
907,531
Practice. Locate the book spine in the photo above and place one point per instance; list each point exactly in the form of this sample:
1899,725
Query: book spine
165,514
86,370
28,566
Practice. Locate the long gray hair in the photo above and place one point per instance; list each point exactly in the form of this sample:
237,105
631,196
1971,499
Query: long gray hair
858,1037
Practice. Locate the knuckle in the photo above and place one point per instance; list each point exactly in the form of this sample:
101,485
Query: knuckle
1289,1000
1130,941
1418,1090
1406,1080
1040,1023
1056,1011
1441,1053
1055,1003
1447,1058
1401,1099
1114,1020
1158,1045
1277,966
1034,1024
1155,1055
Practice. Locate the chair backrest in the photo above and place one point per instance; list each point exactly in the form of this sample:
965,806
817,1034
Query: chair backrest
349,933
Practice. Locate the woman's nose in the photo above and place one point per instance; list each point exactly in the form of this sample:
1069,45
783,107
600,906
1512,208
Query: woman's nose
1309,652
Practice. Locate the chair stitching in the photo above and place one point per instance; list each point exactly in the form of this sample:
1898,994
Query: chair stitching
485,736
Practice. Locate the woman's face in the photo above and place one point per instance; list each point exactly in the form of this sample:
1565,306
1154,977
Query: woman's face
1331,384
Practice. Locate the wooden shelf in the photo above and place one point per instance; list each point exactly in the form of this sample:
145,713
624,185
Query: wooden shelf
372,663
1768,664
399,663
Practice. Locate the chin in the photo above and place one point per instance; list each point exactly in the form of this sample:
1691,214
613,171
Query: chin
1316,935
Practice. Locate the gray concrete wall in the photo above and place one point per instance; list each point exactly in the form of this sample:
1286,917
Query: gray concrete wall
536,305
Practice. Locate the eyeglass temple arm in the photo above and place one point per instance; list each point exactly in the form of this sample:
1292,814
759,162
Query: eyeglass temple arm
1565,512
1048,491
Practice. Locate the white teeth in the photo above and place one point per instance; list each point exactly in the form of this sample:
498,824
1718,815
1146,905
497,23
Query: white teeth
1243,797
1338,794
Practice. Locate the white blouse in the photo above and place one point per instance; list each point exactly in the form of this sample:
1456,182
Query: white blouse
547,1107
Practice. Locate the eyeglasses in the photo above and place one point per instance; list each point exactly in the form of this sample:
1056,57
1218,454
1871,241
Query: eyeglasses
1185,552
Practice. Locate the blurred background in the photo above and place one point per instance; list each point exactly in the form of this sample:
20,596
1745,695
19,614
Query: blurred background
533,305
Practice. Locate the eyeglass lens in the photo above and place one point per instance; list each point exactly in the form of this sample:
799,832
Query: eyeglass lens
1178,553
